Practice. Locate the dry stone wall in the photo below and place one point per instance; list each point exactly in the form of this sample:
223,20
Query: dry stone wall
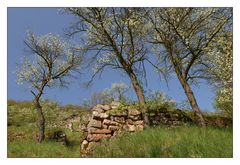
108,121
164,116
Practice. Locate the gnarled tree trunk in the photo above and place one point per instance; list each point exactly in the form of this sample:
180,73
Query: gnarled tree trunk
40,121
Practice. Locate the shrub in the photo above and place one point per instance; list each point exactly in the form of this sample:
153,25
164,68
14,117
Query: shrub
156,100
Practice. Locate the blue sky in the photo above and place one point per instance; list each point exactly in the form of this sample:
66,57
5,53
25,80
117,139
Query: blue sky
45,20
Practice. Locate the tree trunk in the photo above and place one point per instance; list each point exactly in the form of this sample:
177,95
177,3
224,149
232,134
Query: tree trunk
40,122
141,98
191,98
194,105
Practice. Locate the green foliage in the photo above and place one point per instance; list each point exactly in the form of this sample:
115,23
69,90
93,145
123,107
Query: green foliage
170,142
121,108
221,59
117,92
224,101
156,100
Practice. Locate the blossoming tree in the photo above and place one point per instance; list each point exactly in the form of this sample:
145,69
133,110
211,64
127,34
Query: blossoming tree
183,34
49,63
221,71
114,38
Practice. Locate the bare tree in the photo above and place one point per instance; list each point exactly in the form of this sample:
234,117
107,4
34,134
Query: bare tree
114,38
183,34
50,62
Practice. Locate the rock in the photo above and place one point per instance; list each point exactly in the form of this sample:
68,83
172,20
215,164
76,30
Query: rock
70,126
133,112
95,123
129,121
83,127
175,115
97,115
115,104
97,137
164,120
99,131
109,122
105,126
139,127
134,117
119,119
138,122
84,144
130,128
106,107
115,133
60,136
98,109
114,128
91,145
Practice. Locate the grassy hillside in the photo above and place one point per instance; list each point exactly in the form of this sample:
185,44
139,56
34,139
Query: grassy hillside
188,141
21,143
22,130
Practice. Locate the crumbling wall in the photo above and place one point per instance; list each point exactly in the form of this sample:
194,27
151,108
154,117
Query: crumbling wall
107,121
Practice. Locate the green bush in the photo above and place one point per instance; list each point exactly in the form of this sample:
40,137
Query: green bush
157,100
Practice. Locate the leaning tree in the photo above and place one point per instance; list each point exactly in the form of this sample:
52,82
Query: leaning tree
183,35
114,38
49,63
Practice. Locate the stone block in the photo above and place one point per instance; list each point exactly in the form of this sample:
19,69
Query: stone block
109,122
97,137
97,115
98,109
138,122
99,131
139,127
106,107
129,121
105,126
84,144
115,104
119,119
134,117
114,128
133,112
130,128
95,124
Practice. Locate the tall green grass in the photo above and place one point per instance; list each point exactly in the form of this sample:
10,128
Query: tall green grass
22,143
178,142
47,149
